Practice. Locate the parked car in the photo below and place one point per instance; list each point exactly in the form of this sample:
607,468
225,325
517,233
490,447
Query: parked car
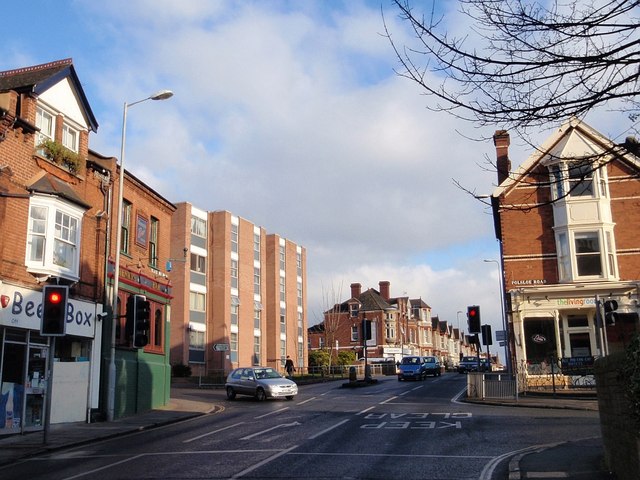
468,364
411,368
259,382
431,366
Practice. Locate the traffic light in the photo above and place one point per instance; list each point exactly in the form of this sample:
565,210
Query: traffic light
610,314
54,310
486,335
138,311
473,318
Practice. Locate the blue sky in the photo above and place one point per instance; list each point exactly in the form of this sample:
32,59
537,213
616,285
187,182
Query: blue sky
288,114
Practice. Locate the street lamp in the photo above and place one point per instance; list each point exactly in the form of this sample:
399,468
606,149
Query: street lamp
504,321
161,95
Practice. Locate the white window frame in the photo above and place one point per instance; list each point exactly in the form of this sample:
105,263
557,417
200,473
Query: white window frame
197,301
567,256
47,128
70,137
60,230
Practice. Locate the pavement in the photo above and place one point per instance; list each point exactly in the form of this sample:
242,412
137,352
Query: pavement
576,460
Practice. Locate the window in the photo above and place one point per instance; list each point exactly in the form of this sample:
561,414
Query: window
126,227
588,254
46,122
256,319
234,313
70,137
256,281
282,289
198,263
198,227
233,347
234,273
354,333
197,301
580,180
390,331
153,242
283,320
256,246
196,340
234,238
256,350
299,263
564,259
53,237
157,329
282,258
611,258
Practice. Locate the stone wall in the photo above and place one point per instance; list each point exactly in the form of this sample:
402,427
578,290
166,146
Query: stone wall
620,432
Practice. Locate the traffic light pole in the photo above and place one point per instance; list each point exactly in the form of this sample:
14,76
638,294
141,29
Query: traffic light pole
47,407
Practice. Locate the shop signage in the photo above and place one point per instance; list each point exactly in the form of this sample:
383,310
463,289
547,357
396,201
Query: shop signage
22,308
529,282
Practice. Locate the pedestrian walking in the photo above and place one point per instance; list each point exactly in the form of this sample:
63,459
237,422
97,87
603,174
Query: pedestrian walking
288,366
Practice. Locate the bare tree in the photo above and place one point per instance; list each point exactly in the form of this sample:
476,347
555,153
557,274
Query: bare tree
534,64
331,317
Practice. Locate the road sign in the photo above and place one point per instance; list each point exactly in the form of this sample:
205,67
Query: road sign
501,335
220,347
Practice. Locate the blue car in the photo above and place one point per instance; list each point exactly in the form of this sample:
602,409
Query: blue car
431,366
411,368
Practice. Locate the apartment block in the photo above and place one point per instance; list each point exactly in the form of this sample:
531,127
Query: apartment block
246,291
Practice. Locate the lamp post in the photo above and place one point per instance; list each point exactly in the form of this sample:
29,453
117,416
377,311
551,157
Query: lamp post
111,390
459,333
504,320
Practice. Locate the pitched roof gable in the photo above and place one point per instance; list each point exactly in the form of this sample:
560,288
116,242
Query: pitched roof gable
558,141
51,185
39,78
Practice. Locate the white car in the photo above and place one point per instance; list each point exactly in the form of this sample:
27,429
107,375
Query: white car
259,382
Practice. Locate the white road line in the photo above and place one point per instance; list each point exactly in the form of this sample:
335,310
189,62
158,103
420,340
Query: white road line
272,413
211,433
89,472
365,410
263,462
312,437
390,455
305,401
387,400
293,424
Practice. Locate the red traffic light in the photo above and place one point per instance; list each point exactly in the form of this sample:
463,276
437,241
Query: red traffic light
473,312
55,297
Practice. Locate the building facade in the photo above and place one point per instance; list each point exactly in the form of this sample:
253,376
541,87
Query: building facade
52,205
246,290
399,326
566,222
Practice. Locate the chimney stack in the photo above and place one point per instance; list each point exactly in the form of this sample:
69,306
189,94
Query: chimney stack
384,290
355,290
501,140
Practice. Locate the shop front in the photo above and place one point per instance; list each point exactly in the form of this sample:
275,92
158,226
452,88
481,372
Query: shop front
558,332
24,354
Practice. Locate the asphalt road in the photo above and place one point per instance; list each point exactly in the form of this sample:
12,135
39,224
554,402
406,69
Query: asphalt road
391,430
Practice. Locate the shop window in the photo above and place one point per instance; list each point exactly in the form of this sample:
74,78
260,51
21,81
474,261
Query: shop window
580,344
540,339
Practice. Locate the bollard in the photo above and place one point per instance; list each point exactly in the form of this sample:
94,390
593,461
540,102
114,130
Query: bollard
352,374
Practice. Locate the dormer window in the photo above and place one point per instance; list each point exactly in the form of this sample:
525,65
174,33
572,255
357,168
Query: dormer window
46,122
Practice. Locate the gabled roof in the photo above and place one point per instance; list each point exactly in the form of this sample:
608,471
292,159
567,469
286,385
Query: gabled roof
39,78
369,300
435,323
548,149
418,302
51,185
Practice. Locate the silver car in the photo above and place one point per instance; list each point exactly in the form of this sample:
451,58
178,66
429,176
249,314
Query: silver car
259,382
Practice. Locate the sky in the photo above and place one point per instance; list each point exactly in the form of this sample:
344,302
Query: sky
290,114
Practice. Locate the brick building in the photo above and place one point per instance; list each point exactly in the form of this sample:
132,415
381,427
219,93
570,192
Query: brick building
52,205
567,222
246,291
399,326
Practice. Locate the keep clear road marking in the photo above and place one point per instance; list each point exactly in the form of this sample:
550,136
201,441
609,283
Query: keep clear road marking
263,462
312,437
211,433
292,424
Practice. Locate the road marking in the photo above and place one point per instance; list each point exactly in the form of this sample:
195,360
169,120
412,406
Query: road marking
305,401
292,424
365,410
390,455
89,472
387,400
211,433
272,413
263,462
312,437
